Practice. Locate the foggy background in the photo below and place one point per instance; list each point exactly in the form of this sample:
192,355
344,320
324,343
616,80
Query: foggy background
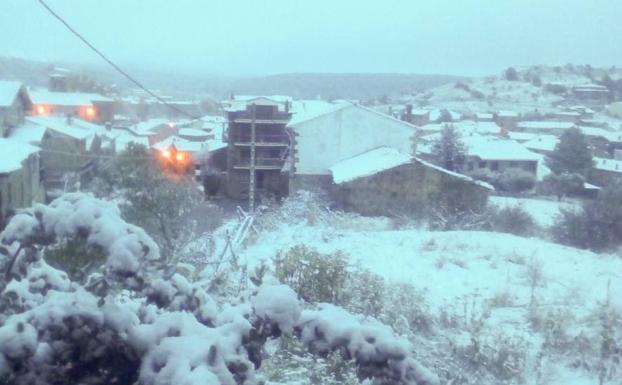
245,37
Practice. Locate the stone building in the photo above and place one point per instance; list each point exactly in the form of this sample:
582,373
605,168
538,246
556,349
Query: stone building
384,181
14,102
20,181
257,146
337,131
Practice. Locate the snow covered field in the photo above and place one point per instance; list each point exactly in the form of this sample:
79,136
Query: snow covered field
544,212
503,281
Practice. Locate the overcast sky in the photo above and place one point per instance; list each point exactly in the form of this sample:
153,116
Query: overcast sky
469,37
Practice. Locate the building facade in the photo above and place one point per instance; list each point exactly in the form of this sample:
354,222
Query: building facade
257,148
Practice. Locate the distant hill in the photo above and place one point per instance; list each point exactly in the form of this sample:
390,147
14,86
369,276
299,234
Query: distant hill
329,85
298,85
27,71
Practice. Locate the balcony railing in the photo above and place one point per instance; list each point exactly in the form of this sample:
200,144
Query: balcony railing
261,163
264,139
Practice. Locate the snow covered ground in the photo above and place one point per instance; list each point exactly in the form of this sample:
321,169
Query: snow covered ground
544,212
502,280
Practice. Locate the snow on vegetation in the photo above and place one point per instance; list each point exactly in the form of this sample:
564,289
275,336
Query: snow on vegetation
489,295
149,326
544,212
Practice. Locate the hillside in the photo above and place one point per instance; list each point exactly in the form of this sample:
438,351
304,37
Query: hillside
534,306
530,92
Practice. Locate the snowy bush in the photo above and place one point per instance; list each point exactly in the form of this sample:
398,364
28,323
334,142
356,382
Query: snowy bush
134,320
316,277
512,219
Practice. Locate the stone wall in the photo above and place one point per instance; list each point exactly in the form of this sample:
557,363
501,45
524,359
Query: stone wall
20,188
412,189
61,154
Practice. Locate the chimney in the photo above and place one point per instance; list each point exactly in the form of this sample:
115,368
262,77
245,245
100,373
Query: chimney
409,113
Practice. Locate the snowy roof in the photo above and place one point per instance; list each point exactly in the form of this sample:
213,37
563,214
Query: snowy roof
66,98
214,144
123,139
599,132
455,174
546,125
612,165
568,113
147,127
76,129
181,144
484,115
491,148
522,136
239,102
368,163
508,114
13,154
8,92
28,133
304,110
542,143
193,132
418,112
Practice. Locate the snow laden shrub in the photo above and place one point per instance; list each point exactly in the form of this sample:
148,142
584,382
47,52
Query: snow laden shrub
293,364
314,276
512,219
597,225
561,185
75,257
135,321
365,292
512,180
515,180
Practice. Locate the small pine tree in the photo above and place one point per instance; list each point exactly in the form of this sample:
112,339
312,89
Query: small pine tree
449,151
511,74
562,185
572,154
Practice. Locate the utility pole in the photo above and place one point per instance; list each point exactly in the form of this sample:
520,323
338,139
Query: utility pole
251,169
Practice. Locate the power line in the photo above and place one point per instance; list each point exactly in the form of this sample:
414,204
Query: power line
116,67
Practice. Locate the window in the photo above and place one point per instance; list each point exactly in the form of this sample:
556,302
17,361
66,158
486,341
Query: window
482,164
260,178
494,166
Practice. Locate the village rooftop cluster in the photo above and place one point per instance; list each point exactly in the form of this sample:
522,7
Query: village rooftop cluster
374,158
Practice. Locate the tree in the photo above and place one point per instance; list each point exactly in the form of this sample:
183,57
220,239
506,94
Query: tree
515,180
511,74
449,151
562,185
596,225
445,116
162,204
136,322
572,154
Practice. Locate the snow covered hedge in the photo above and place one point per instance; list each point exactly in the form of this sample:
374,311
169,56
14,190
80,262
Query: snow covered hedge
134,320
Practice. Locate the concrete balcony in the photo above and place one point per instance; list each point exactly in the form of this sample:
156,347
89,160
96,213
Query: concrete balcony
260,164
261,141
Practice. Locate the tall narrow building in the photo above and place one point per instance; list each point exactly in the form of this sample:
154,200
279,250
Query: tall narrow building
258,146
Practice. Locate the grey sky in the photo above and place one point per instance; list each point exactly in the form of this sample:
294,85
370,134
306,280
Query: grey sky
471,37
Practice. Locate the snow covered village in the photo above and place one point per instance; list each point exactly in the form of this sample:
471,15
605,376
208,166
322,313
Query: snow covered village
310,193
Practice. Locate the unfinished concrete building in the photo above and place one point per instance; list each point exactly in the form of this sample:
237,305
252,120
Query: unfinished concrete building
257,145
